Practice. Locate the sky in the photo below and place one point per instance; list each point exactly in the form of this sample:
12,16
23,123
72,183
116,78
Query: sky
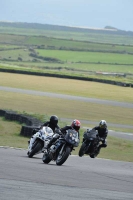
81,13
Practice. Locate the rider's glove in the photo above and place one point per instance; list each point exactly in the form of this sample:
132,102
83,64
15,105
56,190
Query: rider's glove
58,131
101,139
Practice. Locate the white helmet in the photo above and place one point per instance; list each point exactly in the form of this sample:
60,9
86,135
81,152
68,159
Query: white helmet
102,124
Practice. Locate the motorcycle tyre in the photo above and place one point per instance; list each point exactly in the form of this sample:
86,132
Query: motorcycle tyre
94,155
64,157
37,147
47,159
82,149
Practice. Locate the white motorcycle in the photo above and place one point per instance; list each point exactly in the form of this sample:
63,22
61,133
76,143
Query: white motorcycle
39,141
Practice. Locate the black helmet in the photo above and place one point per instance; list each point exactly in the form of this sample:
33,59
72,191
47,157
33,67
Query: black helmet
54,120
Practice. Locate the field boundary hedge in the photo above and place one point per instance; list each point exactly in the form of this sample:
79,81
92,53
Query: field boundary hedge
29,121
67,77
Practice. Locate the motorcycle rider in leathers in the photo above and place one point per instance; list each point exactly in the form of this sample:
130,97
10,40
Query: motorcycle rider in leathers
52,123
102,133
74,125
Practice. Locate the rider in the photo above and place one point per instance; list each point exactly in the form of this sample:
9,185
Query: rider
52,123
102,132
74,125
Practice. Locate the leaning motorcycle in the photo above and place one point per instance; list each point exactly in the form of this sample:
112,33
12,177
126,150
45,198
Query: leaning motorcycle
90,145
62,148
39,141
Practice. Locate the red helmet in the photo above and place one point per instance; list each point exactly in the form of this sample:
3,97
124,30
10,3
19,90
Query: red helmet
76,124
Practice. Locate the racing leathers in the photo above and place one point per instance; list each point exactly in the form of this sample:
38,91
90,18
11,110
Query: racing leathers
102,133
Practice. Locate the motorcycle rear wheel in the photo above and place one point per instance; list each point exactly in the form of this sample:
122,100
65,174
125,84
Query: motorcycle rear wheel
37,147
63,157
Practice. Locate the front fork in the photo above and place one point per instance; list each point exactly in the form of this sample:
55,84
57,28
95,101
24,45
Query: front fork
60,152
88,144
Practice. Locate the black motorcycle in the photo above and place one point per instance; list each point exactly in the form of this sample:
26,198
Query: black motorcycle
61,148
90,145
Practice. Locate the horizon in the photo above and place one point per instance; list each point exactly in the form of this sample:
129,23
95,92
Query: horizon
81,27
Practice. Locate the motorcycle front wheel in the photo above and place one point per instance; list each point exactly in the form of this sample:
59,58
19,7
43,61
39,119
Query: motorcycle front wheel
94,155
82,150
63,157
46,158
36,148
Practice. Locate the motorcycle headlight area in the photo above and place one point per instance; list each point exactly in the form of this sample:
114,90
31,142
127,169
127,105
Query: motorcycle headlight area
71,141
72,138
40,135
37,134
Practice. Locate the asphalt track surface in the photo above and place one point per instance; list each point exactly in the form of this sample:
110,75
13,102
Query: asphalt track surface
23,178
69,97
128,136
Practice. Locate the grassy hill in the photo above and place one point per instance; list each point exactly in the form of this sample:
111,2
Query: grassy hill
107,35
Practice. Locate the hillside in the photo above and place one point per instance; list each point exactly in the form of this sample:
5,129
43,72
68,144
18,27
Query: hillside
106,30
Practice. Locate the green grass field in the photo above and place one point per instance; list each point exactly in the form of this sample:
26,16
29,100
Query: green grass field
78,56
8,46
70,56
71,35
58,43
80,68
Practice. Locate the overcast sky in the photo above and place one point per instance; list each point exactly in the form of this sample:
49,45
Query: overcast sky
83,13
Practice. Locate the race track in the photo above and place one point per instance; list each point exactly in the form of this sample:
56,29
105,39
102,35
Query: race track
69,97
23,178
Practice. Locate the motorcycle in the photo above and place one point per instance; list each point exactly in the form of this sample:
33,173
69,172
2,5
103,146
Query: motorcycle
39,141
90,145
61,148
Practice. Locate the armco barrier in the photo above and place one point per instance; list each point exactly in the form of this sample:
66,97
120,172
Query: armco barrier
30,122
